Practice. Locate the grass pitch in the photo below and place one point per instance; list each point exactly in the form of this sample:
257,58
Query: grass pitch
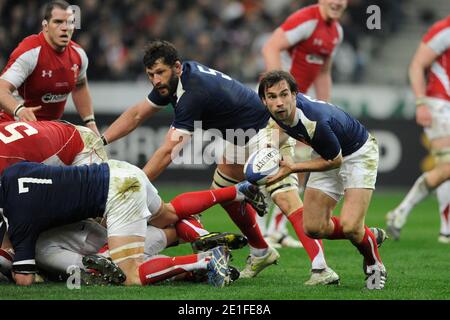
417,266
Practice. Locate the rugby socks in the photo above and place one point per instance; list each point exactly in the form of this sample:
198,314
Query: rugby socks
190,203
418,192
313,247
368,248
337,231
443,195
244,216
189,229
163,268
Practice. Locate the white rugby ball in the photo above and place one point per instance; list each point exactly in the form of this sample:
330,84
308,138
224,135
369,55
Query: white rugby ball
262,164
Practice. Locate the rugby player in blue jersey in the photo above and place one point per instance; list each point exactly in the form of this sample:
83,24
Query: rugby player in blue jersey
199,93
344,164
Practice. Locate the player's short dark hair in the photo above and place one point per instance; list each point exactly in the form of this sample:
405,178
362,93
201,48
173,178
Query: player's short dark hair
270,78
158,49
48,8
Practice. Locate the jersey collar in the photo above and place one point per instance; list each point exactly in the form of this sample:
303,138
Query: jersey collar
180,91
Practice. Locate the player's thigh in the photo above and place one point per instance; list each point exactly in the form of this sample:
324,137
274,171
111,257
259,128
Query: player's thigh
439,131
233,171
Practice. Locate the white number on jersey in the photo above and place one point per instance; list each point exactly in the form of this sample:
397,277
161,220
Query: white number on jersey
22,181
16,135
213,72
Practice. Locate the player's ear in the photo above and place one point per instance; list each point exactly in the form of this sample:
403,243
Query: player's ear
178,66
44,23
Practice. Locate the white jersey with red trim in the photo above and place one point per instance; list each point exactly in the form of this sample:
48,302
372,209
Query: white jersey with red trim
313,40
438,39
45,77
50,142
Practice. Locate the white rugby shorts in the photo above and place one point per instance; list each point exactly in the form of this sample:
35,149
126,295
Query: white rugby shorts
358,170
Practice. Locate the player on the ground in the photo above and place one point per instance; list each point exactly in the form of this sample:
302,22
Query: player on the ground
45,68
36,197
310,36
61,143
429,74
344,163
199,93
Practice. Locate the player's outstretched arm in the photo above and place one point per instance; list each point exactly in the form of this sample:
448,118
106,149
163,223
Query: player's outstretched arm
130,120
174,141
83,103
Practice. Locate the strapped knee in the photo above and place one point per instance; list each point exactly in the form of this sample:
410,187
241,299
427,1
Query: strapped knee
133,250
221,180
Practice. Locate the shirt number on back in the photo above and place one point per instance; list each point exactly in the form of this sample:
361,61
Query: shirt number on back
16,135
213,72
22,181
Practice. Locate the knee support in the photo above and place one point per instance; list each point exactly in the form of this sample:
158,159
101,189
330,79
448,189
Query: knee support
132,250
220,180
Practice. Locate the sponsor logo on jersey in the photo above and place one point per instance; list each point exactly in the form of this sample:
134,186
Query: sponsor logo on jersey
47,73
313,58
54,98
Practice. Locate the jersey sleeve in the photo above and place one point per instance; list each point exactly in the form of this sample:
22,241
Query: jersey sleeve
325,142
438,37
20,65
157,100
188,111
84,63
24,241
299,26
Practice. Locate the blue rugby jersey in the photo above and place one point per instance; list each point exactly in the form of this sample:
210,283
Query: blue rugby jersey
214,98
38,197
326,128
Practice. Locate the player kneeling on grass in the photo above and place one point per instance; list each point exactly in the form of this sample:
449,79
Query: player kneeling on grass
344,163
36,197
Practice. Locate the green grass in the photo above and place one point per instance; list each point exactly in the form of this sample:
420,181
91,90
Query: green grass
417,266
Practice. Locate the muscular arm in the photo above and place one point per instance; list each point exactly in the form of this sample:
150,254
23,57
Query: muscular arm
174,141
9,103
422,60
272,49
83,103
130,120
322,84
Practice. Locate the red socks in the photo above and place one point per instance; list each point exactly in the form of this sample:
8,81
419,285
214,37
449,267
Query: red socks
163,268
368,248
246,222
190,203
337,232
312,246
189,229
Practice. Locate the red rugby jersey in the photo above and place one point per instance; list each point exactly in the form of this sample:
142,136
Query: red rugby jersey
45,77
438,39
312,41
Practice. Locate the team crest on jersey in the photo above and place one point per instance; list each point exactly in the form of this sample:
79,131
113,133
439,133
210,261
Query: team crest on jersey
47,73
75,69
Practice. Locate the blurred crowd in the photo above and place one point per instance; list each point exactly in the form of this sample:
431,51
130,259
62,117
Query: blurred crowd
224,34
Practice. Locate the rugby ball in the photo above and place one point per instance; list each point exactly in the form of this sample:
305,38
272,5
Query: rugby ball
262,164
